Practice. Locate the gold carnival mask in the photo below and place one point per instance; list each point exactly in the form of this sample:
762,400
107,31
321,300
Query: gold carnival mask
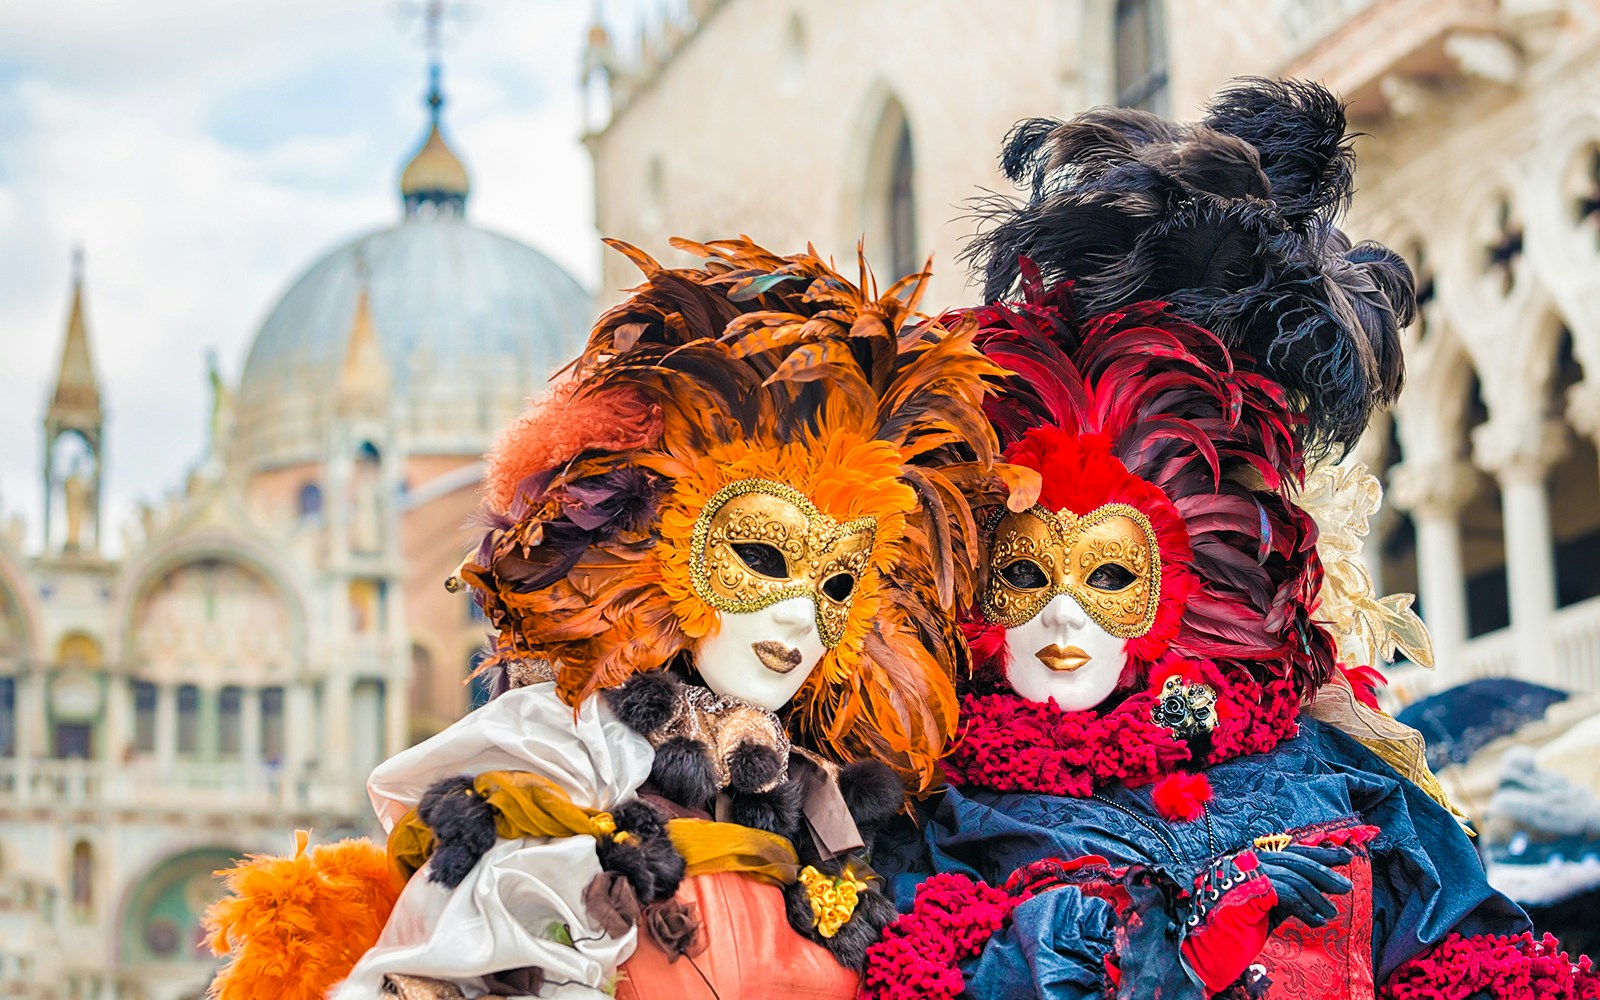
758,542
1106,560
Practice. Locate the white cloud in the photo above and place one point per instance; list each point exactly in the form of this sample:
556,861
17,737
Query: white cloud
205,153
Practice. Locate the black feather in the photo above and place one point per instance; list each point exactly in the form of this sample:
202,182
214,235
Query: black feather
1299,130
1229,220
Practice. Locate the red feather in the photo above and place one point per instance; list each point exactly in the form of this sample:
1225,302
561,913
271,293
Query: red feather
1182,797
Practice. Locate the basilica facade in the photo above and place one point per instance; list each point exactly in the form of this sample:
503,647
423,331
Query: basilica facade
264,640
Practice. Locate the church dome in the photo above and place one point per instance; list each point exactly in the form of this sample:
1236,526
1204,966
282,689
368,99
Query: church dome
471,323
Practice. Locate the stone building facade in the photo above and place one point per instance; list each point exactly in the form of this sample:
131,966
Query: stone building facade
831,120
265,638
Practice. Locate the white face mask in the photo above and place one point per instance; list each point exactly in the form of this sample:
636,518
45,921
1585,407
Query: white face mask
762,656
1061,653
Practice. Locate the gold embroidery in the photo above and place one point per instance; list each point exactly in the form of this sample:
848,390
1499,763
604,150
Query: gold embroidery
1067,550
823,559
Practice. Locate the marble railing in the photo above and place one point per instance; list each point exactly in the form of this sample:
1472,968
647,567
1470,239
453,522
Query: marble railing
1574,663
1575,632
203,787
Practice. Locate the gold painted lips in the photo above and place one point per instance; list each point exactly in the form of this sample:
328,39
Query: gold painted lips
775,656
1063,658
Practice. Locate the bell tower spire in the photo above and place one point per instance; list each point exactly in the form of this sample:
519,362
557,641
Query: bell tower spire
435,182
74,425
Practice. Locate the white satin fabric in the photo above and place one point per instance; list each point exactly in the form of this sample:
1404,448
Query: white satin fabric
502,916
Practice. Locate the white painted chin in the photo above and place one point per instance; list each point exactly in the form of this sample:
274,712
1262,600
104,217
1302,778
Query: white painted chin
1080,683
762,656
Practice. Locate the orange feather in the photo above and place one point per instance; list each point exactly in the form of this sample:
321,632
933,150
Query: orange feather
294,927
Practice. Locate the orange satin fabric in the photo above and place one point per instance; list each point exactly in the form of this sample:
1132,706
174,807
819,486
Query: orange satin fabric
751,951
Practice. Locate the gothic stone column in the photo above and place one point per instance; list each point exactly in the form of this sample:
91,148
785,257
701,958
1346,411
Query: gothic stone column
1583,409
166,726
1434,494
1520,454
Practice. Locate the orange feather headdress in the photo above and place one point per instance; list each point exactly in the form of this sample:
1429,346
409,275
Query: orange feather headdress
753,366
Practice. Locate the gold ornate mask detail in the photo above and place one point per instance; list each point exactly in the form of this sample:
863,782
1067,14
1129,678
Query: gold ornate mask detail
1107,560
758,542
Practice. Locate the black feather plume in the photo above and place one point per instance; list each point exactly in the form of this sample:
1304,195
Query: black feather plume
1231,220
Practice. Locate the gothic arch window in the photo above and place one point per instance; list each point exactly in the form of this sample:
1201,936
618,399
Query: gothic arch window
1422,272
1582,187
1574,507
8,716
230,712
423,684
83,880
272,725
890,202
1141,56
188,719
310,501
144,717
1483,536
1396,533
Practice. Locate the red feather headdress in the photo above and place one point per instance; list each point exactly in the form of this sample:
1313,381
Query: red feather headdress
1139,406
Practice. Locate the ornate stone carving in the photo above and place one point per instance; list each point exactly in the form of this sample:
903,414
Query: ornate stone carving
1432,488
1519,449
1484,55
1583,408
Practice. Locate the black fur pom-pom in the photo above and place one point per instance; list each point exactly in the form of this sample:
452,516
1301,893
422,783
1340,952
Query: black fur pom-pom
849,943
640,817
650,864
682,772
752,766
463,828
776,811
873,792
647,701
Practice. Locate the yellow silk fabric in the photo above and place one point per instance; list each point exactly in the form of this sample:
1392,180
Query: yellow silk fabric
529,805
709,847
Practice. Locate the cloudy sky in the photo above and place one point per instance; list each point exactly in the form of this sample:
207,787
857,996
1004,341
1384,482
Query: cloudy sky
204,152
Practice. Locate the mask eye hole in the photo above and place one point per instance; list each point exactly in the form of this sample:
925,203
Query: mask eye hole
839,587
762,559
1024,574
1111,576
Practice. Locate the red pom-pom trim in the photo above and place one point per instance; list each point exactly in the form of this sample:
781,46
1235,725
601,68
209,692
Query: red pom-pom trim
919,956
1010,744
1182,798
1506,968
